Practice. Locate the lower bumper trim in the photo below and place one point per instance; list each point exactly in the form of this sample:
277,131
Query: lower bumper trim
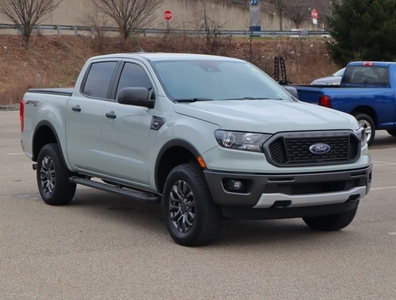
268,200
234,213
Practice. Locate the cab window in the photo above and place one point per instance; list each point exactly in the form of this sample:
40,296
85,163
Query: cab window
133,75
98,79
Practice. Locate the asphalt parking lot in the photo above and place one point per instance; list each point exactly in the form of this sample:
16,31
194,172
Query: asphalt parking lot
103,246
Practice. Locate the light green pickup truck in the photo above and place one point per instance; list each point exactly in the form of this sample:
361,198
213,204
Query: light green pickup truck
208,137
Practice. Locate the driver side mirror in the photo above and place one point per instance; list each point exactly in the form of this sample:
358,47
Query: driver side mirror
138,96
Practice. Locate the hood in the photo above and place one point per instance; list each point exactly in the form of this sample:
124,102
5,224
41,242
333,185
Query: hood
331,80
267,116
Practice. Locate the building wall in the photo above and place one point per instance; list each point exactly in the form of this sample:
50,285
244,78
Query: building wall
187,14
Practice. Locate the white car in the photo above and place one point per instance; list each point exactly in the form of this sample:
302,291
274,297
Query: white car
334,79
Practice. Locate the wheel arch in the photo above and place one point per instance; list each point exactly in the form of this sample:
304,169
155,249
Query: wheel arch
45,133
173,153
366,110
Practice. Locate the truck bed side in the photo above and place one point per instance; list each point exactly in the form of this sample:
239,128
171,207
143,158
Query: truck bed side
43,109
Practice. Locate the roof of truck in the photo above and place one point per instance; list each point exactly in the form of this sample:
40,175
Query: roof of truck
157,56
371,63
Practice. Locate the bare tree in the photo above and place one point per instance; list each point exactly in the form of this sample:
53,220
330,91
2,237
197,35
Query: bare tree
26,14
298,11
129,15
280,7
216,42
97,24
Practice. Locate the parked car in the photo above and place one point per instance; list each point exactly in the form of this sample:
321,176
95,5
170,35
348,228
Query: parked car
334,79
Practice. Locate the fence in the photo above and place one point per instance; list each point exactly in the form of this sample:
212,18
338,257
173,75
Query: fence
75,29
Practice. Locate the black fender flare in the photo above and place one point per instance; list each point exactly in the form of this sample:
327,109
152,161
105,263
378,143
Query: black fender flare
45,123
172,143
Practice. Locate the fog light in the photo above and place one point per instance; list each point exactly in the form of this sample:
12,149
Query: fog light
235,185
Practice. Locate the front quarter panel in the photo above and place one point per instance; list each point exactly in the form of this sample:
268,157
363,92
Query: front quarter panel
194,135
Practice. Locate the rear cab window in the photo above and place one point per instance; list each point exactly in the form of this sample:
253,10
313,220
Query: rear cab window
98,78
366,75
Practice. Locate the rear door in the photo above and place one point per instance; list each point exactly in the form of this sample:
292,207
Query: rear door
84,117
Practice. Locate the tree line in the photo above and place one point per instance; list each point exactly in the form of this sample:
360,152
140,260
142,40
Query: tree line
359,29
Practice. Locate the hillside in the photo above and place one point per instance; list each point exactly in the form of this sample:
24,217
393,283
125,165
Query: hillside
53,61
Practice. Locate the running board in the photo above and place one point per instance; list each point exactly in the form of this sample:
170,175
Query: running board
118,189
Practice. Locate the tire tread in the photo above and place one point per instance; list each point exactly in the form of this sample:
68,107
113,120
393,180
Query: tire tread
64,189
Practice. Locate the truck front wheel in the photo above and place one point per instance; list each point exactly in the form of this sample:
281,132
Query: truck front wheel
191,216
331,222
53,177
367,123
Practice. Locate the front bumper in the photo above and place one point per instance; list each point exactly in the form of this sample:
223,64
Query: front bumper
264,191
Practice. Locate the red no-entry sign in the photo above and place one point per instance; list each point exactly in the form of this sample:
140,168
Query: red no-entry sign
314,14
167,15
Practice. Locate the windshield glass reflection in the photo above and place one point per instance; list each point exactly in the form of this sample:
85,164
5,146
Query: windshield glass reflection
193,80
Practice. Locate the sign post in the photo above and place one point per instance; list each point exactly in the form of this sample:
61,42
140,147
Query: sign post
255,21
168,16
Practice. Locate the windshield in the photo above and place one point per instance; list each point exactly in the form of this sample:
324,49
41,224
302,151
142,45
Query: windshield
339,72
198,80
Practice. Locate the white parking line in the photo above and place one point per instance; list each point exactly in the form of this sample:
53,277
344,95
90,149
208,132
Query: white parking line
383,163
16,153
383,188
10,140
392,233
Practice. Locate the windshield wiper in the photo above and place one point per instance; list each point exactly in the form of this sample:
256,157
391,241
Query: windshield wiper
193,99
246,98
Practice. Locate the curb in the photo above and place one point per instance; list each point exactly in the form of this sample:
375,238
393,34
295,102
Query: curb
10,107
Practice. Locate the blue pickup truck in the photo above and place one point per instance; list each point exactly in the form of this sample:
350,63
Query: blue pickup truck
367,91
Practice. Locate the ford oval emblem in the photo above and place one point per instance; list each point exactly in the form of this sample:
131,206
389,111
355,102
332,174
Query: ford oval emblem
319,148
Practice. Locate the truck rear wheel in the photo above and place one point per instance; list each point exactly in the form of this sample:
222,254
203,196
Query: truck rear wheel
53,177
331,222
367,123
392,132
191,216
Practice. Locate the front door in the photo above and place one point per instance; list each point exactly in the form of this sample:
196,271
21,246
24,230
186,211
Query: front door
126,131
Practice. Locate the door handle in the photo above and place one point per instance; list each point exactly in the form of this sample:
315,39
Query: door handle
111,115
76,108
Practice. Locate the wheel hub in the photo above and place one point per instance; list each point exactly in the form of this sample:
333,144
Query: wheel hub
184,206
181,206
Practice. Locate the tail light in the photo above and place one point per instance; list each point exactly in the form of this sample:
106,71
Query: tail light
325,101
22,114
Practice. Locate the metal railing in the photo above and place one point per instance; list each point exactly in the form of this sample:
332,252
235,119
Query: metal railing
76,29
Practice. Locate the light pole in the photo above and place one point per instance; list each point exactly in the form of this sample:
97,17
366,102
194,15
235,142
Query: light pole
273,23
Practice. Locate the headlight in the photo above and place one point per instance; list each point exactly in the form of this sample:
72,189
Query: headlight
241,140
362,136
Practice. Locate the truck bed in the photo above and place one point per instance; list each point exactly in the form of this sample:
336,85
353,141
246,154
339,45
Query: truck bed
53,91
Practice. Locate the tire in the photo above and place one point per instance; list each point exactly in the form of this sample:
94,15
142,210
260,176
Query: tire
331,222
392,132
191,217
367,122
53,177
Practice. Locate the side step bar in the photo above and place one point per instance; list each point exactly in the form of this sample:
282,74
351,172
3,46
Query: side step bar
118,189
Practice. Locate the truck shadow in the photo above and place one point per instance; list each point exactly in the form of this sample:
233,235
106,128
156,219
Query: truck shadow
148,220
274,233
383,140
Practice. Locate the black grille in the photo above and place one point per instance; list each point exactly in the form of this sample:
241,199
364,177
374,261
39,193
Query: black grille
288,150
